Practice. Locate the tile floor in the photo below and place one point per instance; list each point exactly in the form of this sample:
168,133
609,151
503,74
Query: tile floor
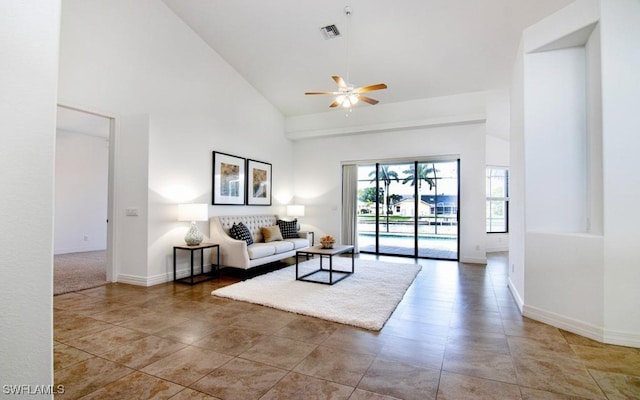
457,334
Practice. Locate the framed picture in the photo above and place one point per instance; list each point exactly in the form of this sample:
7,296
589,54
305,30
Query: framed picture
258,183
228,179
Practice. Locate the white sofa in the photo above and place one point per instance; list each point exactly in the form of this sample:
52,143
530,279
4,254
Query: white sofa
235,253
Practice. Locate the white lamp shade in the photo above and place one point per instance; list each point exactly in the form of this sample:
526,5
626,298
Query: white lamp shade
295,210
193,212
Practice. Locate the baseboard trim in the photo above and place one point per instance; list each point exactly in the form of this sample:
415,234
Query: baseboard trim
516,296
496,249
474,260
143,281
600,334
622,338
132,280
78,250
563,322
158,279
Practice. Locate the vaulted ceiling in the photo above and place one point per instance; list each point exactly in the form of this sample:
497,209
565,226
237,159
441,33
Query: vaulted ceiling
419,48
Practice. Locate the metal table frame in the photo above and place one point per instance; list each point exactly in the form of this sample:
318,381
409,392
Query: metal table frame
202,276
325,253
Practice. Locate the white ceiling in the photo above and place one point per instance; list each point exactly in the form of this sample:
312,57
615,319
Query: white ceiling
419,48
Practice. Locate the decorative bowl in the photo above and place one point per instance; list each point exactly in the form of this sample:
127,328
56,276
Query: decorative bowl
327,241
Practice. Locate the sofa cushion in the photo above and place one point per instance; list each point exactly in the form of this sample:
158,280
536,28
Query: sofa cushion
271,233
283,246
240,232
289,229
259,250
298,243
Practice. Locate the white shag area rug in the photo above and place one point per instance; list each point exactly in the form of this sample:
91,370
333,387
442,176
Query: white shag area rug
365,299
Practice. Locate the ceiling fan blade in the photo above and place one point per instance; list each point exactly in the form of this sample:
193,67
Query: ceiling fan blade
321,93
370,88
341,83
334,104
368,99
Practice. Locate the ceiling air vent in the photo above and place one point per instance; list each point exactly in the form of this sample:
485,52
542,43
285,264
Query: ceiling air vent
330,31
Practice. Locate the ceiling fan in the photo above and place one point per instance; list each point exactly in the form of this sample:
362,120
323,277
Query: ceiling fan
347,94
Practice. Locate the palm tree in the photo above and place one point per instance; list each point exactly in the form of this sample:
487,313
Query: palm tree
422,175
386,177
394,198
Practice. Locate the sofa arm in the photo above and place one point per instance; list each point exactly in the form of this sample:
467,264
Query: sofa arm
309,235
233,252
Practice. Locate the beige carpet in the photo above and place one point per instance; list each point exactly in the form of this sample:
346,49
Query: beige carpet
78,271
365,299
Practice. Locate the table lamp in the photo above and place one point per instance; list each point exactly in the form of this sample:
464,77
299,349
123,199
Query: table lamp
193,213
295,210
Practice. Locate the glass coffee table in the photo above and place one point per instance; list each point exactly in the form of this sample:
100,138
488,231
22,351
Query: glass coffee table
325,254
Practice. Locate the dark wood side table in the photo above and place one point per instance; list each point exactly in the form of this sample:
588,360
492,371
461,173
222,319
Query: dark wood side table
201,276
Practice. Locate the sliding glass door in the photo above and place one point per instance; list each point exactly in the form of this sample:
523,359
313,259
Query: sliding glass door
409,209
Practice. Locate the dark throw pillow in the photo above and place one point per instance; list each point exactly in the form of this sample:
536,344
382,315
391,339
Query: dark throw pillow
240,231
289,229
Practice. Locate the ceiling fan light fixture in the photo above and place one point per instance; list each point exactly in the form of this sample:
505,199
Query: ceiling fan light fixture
348,101
347,94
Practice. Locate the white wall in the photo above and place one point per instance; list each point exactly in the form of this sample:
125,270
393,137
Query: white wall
583,282
176,165
318,174
131,187
595,191
562,283
517,201
175,101
81,174
423,113
556,150
497,109
621,119
28,75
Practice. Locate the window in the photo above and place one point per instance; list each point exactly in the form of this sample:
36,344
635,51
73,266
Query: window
497,200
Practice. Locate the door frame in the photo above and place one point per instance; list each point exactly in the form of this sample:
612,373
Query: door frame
111,184
415,161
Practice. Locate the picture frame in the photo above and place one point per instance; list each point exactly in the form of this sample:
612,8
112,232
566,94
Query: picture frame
229,179
258,183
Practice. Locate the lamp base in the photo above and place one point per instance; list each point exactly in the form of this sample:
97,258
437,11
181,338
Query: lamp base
194,236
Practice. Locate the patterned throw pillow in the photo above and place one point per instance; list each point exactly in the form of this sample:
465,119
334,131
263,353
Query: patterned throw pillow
240,231
289,229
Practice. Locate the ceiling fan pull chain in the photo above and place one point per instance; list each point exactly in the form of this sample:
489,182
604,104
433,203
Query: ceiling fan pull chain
347,12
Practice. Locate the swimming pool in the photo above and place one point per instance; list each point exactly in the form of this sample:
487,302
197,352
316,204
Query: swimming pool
438,246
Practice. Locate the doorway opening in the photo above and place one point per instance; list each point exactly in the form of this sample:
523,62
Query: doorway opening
409,208
83,200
